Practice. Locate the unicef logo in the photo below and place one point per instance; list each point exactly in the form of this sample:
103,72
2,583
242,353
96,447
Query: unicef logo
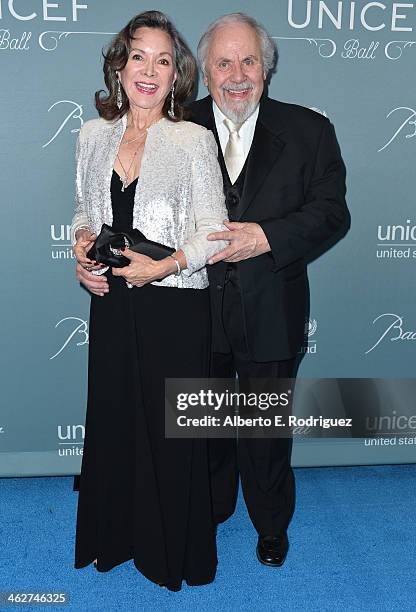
397,242
311,327
61,246
347,16
310,347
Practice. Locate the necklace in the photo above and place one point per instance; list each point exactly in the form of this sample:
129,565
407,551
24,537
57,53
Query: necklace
125,178
127,142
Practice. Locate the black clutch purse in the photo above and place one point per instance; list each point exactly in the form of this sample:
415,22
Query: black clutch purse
107,249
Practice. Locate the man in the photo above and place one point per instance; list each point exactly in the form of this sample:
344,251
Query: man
284,181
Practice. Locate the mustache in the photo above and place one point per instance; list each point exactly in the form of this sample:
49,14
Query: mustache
237,86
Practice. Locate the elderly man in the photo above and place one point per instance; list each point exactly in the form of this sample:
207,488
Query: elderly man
284,181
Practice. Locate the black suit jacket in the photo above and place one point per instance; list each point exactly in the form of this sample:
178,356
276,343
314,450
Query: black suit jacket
295,189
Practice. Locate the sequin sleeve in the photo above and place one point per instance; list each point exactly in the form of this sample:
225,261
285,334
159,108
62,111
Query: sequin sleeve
208,205
80,218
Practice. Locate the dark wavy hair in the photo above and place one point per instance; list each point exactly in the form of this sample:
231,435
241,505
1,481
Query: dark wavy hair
117,54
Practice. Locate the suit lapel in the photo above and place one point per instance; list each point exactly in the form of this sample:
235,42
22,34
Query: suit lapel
205,116
202,113
221,161
264,153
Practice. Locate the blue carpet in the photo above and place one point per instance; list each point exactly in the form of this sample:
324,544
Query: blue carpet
352,548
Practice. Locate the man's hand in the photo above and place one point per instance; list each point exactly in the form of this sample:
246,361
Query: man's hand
246,240
84,241
95,284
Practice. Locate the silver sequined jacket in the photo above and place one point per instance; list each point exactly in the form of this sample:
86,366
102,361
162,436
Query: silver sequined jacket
179,195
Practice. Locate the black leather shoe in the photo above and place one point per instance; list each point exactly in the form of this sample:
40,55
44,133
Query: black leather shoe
272,550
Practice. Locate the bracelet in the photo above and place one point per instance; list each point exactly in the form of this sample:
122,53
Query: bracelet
100,271
178,267
82,227
79,228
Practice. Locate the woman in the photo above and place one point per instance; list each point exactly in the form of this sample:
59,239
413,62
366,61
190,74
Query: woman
141,496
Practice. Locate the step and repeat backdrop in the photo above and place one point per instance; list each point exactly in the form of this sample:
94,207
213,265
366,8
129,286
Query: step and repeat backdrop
351,61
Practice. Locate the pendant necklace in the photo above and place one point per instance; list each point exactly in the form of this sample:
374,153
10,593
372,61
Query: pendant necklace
127,142
125,178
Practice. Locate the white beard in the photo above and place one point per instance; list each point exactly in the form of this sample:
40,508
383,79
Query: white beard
241,111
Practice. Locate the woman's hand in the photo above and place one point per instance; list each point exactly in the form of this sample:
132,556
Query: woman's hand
143,269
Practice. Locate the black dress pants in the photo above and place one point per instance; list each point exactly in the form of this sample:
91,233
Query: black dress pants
263,464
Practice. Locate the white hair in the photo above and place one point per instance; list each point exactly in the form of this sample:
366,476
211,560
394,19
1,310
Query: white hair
267,44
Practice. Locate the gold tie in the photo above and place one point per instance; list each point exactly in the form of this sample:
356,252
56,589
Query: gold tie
234,153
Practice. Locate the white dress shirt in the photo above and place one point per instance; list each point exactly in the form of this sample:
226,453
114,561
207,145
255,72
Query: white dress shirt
246,131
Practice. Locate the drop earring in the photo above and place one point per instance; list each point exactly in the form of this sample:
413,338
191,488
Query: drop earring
119,96
171,111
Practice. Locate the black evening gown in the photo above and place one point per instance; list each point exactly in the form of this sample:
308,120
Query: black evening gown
142,496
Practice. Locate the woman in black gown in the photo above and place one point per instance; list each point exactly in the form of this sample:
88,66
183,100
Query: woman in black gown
142,496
